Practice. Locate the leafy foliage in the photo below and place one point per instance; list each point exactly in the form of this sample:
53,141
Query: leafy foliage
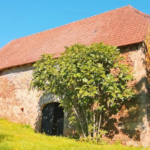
89,80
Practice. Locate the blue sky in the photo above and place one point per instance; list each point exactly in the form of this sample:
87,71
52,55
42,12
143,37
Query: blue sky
19,18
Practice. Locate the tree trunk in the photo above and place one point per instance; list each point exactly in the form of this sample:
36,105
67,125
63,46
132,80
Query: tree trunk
86,118
93,124
99,124
79,121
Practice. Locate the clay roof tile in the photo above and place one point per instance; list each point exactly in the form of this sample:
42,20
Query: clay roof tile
122,26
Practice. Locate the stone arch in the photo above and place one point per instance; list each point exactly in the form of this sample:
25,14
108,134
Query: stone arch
42,101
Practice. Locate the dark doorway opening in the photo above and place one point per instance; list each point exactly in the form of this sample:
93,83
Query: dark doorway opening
52,119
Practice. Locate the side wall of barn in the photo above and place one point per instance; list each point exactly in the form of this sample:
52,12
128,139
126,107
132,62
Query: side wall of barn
132,122
19,104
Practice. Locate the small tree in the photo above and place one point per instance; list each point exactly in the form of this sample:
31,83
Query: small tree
89,80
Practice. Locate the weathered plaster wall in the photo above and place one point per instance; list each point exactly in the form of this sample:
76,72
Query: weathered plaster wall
146,137
16,102
132,119
19,104
147,43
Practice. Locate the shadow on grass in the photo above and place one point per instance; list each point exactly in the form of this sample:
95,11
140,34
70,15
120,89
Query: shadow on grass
5,137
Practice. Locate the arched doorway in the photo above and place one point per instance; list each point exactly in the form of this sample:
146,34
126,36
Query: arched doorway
52,119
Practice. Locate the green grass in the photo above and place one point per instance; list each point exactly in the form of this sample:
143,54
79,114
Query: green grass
22,137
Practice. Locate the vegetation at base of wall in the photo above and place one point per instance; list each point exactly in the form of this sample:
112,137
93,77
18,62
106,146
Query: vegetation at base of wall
91,82
21,137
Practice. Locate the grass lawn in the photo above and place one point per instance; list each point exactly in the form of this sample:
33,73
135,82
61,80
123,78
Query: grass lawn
22,137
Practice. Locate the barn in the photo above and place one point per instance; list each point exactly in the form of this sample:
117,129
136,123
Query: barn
125,27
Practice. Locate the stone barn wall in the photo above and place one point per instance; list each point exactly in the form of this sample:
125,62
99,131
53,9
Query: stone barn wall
132,120
18,104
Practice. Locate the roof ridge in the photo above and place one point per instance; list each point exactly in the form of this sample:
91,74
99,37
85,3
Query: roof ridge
129,6
139,12
72,22
121,26
7,44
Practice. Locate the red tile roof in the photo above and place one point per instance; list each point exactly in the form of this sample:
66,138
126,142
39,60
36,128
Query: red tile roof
122,26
